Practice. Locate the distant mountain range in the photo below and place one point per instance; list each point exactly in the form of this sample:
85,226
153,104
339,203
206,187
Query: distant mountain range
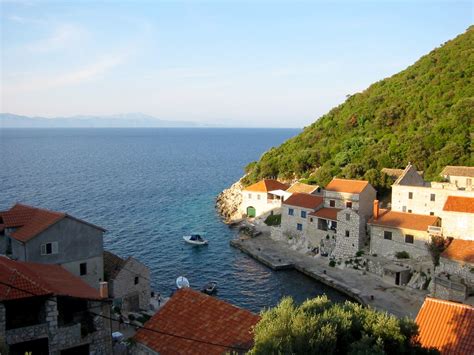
128,120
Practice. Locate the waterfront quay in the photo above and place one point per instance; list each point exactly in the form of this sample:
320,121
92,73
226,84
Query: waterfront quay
368,289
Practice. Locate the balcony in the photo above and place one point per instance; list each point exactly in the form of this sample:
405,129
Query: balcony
32,332
435,231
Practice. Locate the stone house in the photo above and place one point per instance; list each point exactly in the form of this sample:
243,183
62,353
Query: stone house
263,197
296,210
37,235
455,274
461,176
129,282
411,194
393,231
44,309
458,217
300,187
189,315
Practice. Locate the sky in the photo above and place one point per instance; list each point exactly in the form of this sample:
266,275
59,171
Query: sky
237,63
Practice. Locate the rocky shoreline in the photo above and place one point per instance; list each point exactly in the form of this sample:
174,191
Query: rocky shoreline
228,203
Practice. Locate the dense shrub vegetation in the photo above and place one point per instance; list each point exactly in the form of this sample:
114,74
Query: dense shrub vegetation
321,327
273,220
422,115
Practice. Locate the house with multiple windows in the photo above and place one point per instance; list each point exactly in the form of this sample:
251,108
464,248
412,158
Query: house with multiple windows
45,309
296,213
263,197
38,235
461,176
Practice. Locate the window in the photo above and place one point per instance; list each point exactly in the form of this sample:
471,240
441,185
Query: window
347,233
410,195
409,238
404,208
332,203
349,204
250,195
318,190
49,248
303,214
348,216
291,211
136,280
83,269
299,226
311,219
432,197
258,197
431,213
387,235
409,211
322,224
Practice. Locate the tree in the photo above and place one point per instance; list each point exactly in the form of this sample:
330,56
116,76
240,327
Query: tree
319,326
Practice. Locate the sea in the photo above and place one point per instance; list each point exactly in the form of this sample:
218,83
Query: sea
148,188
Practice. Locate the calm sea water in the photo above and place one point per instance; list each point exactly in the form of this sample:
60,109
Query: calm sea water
148,188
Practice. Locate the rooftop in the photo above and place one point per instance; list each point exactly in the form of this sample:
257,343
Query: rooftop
31,221
40,280
459,204
206,319
304,200
302,188
346,185
389,218
447,326
326,213
396,173
449,170
266,185
460,250
112,265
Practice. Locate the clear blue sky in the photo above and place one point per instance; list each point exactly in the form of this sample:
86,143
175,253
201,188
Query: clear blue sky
241,63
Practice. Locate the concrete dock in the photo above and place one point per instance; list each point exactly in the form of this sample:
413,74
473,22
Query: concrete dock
366,288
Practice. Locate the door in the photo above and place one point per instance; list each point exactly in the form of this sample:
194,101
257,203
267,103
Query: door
251,211
397,278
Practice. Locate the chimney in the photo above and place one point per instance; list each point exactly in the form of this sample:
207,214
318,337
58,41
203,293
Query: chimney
376,209
103,289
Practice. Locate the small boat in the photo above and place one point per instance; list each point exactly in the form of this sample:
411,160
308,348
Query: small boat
182,282
195,239
210,288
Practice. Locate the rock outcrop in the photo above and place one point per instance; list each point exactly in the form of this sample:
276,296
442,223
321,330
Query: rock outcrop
228,203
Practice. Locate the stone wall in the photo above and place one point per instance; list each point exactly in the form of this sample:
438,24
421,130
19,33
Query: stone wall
452,267
349,221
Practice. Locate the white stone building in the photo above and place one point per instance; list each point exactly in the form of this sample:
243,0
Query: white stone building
296,212
461,176
458,217
258,199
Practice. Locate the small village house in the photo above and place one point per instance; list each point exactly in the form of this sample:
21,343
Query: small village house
295,213
454,278
458,217
44,309
392,232
128,282
461,176
263,197
446,326
299,187
198,322
38,235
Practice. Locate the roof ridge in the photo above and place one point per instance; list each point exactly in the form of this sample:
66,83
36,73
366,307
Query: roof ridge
456,304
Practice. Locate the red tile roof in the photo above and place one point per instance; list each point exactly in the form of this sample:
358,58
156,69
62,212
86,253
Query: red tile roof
302,188
304,200
447,326
460,250
326,213
31,221
389,218
346,185
41,280
266,185
459,204
191,314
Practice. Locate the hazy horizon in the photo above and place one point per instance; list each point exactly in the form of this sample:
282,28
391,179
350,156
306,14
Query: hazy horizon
239,64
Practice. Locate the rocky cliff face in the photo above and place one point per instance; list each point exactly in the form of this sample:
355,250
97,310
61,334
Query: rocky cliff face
228,203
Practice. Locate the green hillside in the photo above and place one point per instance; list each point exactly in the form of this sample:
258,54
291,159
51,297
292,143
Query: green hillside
422,115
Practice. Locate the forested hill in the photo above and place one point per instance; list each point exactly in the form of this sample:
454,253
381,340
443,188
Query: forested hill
423,115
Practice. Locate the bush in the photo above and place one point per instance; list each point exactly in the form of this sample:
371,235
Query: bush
332,263
359,253
273,220
402,255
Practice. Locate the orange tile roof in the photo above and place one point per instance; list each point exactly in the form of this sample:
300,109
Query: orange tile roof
41,280
304,200
266,185
302,188
326,213
459,204
389,218
346,185
192,314
30,221
447,326
460,250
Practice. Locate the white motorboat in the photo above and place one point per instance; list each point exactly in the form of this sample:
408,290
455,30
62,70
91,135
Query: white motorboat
182,282
195,239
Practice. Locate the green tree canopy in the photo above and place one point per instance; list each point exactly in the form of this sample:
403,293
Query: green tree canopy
319,326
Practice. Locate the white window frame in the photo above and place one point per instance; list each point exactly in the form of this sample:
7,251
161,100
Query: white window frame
54,248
